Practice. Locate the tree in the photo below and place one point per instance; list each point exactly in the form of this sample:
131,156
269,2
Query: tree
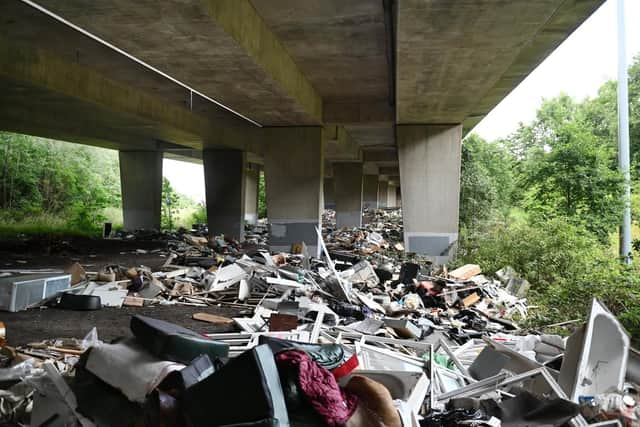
485,182
262,197
170,200
570,170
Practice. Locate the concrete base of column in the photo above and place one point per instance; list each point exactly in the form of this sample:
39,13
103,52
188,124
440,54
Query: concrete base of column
224,188
294,171
348,190
430,177
252,181
141,181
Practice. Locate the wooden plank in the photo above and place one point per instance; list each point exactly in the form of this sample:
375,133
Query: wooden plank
133,301
212,318
466,272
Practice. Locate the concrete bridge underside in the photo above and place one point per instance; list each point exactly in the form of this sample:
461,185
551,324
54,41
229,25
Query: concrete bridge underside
338,102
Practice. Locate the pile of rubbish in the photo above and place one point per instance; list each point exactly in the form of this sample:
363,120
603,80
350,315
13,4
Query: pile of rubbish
329,347
359,336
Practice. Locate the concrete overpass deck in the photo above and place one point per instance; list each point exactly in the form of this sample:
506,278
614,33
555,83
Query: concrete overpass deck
359,91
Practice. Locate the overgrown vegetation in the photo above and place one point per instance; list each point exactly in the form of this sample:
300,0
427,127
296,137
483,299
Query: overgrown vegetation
262,198
56,188
49,186
547,201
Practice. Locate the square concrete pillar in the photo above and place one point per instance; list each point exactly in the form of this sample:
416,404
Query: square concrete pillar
224,182
370,192
391,196
383,190
252,184
430,177
294,175
348,191
329,196
141,182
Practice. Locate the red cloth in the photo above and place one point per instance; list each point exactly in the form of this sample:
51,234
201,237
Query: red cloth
346,368
320,388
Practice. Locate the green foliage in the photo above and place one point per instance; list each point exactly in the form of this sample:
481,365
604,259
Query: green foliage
170,205
262,198
575,179
486,182
41,177
547,201
199,215
566,265
56,187
564,165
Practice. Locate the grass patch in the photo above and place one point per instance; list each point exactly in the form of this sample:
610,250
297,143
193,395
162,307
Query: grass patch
40,225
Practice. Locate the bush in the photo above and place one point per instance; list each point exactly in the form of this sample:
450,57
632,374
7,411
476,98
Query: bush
87,217
566,265
199,216
262,198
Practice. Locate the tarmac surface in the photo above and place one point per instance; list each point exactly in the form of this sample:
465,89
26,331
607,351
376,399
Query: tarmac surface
38,324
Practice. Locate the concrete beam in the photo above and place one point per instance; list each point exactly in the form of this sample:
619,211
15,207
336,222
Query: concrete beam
564,20
470,55
254,75
39,68
369,168
339,146
141,181
241,21
358,112
378,155
430,180
389,170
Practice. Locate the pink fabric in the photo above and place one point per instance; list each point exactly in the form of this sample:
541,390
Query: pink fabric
319,386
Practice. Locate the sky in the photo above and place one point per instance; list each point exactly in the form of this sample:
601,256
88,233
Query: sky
578,67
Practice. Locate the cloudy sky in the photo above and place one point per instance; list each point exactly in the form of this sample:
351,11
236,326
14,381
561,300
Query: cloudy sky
578,67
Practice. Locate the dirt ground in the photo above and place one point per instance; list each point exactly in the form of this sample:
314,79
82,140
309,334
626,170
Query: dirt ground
93,254
38,324
35,325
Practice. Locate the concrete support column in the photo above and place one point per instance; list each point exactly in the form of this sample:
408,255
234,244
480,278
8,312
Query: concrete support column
391,196
294,175
370,191
430,177
224,183
348,191
141,181
383,190
252,184
329,195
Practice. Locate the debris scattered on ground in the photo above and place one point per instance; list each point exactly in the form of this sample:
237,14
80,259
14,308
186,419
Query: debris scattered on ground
360,336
